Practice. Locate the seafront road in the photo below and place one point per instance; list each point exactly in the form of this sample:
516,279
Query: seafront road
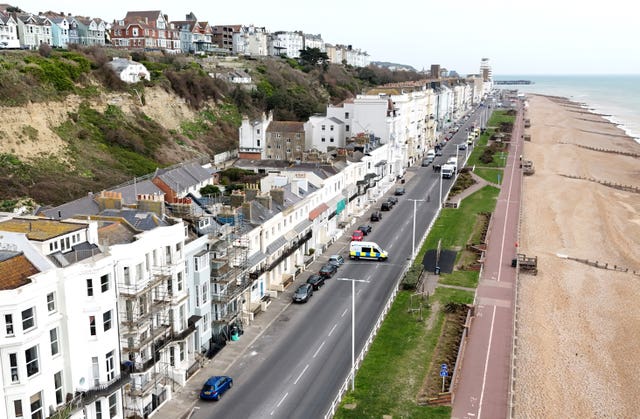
483,389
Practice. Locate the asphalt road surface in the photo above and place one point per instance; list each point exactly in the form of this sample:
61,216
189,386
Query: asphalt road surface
297,366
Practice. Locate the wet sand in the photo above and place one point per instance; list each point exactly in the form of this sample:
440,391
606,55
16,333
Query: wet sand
578,325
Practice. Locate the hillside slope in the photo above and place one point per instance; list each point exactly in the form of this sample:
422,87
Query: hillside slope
70,126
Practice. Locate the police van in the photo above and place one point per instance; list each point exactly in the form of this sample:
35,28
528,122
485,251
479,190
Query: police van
367,250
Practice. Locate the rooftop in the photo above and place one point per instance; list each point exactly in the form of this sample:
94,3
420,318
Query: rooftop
15,270
40,229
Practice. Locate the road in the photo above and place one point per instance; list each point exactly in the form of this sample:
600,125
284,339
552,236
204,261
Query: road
297,366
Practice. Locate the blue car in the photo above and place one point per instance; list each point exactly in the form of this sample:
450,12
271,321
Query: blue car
215,387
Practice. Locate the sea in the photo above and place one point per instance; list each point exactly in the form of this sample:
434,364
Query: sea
617,96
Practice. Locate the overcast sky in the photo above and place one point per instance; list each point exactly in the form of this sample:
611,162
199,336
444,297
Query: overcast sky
519,37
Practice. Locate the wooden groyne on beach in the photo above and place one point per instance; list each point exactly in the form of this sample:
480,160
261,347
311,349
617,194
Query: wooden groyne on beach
601,265
604,150
626,188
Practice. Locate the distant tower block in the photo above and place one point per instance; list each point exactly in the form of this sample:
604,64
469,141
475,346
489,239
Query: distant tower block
435,71
485,70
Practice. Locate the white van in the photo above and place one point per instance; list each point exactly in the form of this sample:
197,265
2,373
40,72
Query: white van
431,154
367,250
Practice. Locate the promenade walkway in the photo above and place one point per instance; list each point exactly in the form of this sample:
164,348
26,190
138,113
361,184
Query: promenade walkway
483,386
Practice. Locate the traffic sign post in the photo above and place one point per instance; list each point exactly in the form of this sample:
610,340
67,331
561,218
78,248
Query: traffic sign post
444,372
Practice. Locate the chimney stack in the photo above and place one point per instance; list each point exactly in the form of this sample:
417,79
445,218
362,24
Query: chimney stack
246,210
250,192
277,194
237,198
109,200
264,200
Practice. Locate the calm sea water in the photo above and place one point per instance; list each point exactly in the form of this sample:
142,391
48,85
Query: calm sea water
615,95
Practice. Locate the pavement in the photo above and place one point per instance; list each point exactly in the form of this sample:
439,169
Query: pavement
482,388
184,399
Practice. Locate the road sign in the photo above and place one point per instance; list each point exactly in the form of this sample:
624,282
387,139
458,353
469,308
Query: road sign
443,367
444,373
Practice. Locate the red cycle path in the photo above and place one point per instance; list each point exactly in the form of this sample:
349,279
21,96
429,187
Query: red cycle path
483,382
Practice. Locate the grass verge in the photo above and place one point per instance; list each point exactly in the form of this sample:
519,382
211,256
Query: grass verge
490,175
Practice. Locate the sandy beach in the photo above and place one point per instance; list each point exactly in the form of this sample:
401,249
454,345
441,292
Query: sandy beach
578,336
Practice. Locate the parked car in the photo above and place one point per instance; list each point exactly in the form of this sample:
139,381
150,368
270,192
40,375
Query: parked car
376,216
462,146
215,387
303,293
316,281
357,236
328,270
399,191
365,228
386,206
336,260
439,152
392,200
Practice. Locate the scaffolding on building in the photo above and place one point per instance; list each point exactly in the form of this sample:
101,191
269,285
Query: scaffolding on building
229,278
146,327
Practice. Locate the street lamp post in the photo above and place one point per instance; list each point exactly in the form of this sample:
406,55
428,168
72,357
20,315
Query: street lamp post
413,241
353,327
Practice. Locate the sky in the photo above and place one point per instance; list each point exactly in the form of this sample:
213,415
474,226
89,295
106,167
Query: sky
518,37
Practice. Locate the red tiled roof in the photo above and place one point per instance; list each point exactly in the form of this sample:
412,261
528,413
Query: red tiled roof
15,272
315,213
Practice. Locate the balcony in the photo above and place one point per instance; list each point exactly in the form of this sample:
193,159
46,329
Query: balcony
105,389
226,318
82,398
232,291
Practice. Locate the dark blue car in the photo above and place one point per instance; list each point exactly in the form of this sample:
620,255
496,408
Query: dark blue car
215,387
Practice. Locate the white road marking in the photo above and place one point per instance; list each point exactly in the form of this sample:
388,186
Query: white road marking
320,347
282,399
346,310
301,374
333,328
486,362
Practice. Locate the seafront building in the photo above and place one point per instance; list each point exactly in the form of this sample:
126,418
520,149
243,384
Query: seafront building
60,345
112,301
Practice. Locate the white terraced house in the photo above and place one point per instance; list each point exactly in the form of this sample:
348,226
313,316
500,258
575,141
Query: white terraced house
59,349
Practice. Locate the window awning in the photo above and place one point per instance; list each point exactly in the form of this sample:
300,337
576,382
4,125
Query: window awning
315,213
302,226
256,259
290,235
276,245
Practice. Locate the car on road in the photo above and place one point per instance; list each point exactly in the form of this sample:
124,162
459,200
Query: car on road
439,152
375,216
215,387
392,200
328,270
303,293
386,206
336,260
365,228
462,146
357,236
316,281
399,191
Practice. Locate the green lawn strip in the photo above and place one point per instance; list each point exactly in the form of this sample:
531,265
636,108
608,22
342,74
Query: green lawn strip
467,279
445,295
497,117
392,373
454,226
490,175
